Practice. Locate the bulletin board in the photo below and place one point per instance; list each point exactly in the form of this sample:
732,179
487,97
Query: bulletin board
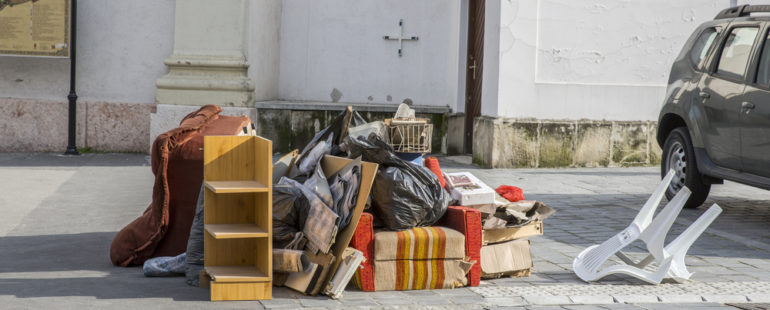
35,27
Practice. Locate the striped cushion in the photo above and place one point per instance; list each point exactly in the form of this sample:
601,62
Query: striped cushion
404,275
419,243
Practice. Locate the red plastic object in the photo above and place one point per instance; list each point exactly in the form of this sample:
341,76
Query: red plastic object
512,193
432,164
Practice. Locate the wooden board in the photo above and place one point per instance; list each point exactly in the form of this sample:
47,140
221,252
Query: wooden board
231,231
222,274
241,291
243,186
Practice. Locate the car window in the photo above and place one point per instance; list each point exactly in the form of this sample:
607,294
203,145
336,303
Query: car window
701,46
763,72
735,54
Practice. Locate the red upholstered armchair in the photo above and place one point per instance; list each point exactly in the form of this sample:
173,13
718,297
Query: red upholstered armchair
405,272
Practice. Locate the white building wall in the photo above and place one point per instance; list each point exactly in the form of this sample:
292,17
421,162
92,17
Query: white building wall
338,44
588,59
121,46
263,49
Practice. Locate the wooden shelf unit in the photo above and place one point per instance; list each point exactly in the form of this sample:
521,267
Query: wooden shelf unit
238,217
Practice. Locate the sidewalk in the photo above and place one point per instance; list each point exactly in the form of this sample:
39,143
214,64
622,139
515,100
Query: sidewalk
61,213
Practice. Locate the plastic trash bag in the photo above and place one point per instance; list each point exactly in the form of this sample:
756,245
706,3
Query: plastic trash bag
318,183
311,159
194,258
290,209
164,266
404,195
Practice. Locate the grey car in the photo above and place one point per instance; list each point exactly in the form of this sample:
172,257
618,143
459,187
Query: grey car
715,122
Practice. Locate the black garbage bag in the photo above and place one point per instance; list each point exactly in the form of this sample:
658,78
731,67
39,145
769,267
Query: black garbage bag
290,209
404,195
331,135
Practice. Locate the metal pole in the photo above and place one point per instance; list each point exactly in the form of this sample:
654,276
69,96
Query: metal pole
73,97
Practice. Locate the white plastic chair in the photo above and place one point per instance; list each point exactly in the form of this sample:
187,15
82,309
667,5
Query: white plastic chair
587,263
652,232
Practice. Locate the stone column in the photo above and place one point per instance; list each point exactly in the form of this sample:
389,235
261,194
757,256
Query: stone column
208,64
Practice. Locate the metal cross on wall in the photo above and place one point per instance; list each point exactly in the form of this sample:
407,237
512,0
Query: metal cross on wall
401,38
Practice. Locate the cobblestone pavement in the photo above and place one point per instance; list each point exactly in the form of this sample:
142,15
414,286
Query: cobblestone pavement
60,215
731,260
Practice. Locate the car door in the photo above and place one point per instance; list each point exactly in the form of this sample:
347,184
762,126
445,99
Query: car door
755,114
720,94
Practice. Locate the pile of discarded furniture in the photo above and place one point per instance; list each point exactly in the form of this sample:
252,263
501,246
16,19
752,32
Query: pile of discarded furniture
358,202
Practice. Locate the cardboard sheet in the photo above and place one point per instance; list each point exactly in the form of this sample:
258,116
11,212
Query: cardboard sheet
505,258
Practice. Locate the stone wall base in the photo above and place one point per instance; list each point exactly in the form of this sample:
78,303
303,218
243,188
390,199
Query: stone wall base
33,125
291,129
509,143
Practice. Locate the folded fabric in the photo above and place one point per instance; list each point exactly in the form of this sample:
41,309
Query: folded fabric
164,266
285,260
344,186
194,255
321,224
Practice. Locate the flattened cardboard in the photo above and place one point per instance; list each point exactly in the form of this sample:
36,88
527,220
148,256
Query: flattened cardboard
535,228
330,165
507,257
300,281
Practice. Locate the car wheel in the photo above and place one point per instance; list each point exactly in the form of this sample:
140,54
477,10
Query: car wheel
678,154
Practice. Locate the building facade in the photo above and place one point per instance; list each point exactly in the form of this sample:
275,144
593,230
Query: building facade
546,82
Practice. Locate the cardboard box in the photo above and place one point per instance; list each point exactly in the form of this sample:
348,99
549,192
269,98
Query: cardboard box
505,259
534,228
327,264
469,190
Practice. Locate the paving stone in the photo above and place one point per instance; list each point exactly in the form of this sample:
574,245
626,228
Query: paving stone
358,302
723,299
394,301
592,299
433,300
547,300
635,299
537,307
456,292
680,298
314,302
280,303
462,300
763,298
505,301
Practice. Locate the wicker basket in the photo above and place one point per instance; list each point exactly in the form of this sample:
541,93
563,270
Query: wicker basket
410,136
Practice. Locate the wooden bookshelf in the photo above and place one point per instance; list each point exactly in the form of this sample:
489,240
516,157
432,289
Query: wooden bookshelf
237,173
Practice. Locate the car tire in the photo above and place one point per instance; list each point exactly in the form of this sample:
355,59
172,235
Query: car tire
678,154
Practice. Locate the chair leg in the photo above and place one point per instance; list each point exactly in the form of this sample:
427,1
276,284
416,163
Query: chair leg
654,236
648,209
679,247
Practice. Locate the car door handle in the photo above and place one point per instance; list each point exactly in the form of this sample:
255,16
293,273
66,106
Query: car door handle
747,106
704,95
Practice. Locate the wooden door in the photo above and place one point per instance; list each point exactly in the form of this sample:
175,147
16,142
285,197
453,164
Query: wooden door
474,69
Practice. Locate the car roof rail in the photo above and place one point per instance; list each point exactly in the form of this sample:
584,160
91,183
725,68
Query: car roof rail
742,10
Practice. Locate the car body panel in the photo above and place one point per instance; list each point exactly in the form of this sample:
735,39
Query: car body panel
728,143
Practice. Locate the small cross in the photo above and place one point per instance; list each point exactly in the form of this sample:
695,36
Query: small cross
401,37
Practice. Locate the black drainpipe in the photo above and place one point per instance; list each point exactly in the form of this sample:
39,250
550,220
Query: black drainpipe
72,149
